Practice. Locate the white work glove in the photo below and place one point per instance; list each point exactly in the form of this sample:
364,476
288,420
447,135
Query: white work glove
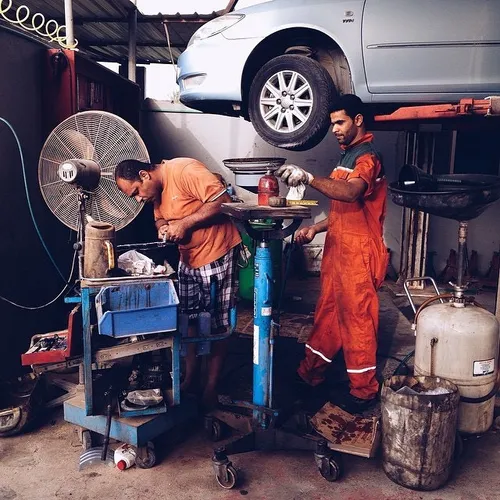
292,175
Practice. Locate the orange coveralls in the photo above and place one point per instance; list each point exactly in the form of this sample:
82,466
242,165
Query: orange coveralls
353,267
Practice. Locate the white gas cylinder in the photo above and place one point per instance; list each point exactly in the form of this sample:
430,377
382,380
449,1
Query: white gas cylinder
124,456
460,343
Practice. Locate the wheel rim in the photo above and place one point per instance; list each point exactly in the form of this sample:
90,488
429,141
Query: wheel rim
231,479
286,101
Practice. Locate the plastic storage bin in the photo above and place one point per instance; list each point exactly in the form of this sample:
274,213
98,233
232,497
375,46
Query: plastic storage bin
139,308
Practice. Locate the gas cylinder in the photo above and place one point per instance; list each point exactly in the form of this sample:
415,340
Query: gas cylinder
459,342
268,186
99,255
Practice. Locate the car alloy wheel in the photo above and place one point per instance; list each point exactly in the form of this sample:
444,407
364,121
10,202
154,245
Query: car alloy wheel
289,102
286,101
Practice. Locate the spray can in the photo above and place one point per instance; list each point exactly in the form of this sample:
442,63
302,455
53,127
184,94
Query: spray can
268,186
124,456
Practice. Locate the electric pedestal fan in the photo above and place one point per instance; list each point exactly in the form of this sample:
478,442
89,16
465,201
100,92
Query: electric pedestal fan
76,171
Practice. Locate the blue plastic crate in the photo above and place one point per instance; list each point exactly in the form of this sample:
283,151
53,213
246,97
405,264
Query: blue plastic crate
146,307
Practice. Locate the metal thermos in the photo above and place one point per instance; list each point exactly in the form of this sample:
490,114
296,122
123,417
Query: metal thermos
99,254
268,186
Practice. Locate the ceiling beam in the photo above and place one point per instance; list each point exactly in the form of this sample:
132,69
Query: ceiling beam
148,19
122,43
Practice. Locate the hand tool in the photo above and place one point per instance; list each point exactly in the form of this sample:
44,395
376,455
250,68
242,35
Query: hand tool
281,201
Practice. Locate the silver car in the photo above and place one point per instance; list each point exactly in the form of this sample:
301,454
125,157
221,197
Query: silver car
280,63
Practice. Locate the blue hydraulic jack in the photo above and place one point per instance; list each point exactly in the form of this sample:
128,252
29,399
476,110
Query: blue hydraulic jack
264,427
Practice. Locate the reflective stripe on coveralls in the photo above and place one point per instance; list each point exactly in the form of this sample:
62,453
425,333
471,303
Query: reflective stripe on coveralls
353,267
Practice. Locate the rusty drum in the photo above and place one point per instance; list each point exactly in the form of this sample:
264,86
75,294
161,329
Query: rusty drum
419,425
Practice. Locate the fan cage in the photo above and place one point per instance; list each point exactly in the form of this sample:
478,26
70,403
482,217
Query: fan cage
104,138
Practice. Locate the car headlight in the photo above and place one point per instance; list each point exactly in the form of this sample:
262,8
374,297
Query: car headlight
216,26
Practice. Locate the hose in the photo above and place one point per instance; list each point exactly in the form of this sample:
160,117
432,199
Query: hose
37,229
429,301
38,23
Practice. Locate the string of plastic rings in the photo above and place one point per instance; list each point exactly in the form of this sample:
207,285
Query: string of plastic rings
49,29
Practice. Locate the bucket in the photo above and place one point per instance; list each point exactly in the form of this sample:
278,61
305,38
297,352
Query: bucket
419,425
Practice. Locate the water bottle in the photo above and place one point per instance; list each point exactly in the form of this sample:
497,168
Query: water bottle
124,456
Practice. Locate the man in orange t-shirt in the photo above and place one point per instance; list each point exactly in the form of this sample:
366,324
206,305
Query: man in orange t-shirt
187,198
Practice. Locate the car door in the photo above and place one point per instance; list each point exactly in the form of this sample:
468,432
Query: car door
431,46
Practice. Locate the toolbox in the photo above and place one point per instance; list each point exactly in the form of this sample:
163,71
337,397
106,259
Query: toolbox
56,346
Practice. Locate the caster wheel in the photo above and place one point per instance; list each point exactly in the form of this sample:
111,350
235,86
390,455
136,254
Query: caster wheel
331,469
146,456
86,439
214,430
228,482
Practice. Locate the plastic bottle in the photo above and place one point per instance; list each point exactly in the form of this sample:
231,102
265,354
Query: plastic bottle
124,456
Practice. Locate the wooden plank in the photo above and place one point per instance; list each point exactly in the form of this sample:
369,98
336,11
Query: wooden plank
246,211
347,433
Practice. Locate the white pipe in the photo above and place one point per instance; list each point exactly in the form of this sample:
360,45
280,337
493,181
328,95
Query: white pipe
132,43
68,22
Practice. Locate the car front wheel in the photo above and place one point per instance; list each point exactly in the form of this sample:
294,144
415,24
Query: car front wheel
289,102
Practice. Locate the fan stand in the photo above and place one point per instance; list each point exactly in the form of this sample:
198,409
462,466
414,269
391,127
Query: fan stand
82,197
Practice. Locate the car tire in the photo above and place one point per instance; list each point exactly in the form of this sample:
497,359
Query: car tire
283,119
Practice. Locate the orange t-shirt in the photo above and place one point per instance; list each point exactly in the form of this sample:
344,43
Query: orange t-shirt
187,185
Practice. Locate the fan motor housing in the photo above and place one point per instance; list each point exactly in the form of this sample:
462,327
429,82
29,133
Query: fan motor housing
83,173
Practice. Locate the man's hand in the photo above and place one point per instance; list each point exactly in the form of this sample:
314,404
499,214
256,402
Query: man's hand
305,235
292,175
162,232
176,231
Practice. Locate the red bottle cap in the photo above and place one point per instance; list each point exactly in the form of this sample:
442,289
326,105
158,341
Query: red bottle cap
121,464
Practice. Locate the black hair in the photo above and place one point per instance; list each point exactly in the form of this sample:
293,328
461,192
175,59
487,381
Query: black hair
350,103
129,169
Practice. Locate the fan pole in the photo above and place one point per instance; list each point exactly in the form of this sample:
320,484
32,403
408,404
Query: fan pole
81,232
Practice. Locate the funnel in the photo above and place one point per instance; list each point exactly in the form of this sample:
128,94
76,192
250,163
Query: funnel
460,197
248,171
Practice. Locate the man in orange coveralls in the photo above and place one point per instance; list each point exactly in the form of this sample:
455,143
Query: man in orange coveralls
354,259
187,198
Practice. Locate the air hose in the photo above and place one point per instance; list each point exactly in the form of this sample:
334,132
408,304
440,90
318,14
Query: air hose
37,229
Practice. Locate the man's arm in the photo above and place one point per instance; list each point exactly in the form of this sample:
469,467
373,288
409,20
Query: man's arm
160,222
321,226
341,190
306,234
177,230
335,189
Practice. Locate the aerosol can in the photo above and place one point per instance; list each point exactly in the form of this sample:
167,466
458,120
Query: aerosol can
268,186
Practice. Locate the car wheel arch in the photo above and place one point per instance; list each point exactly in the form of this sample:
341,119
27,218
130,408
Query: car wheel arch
306,42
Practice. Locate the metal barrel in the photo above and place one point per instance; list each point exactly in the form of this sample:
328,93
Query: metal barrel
419,422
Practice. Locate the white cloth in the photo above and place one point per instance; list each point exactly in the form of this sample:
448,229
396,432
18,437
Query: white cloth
296,192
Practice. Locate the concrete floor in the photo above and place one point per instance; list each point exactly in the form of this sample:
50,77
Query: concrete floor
43,464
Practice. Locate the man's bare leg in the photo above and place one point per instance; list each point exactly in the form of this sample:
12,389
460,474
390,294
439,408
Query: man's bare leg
215,362
191,361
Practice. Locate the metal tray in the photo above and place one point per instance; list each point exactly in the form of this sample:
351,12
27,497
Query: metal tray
460,197
253,165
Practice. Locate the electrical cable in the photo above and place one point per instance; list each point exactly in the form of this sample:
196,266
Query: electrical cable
167,34
21,155
33,308
23,13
